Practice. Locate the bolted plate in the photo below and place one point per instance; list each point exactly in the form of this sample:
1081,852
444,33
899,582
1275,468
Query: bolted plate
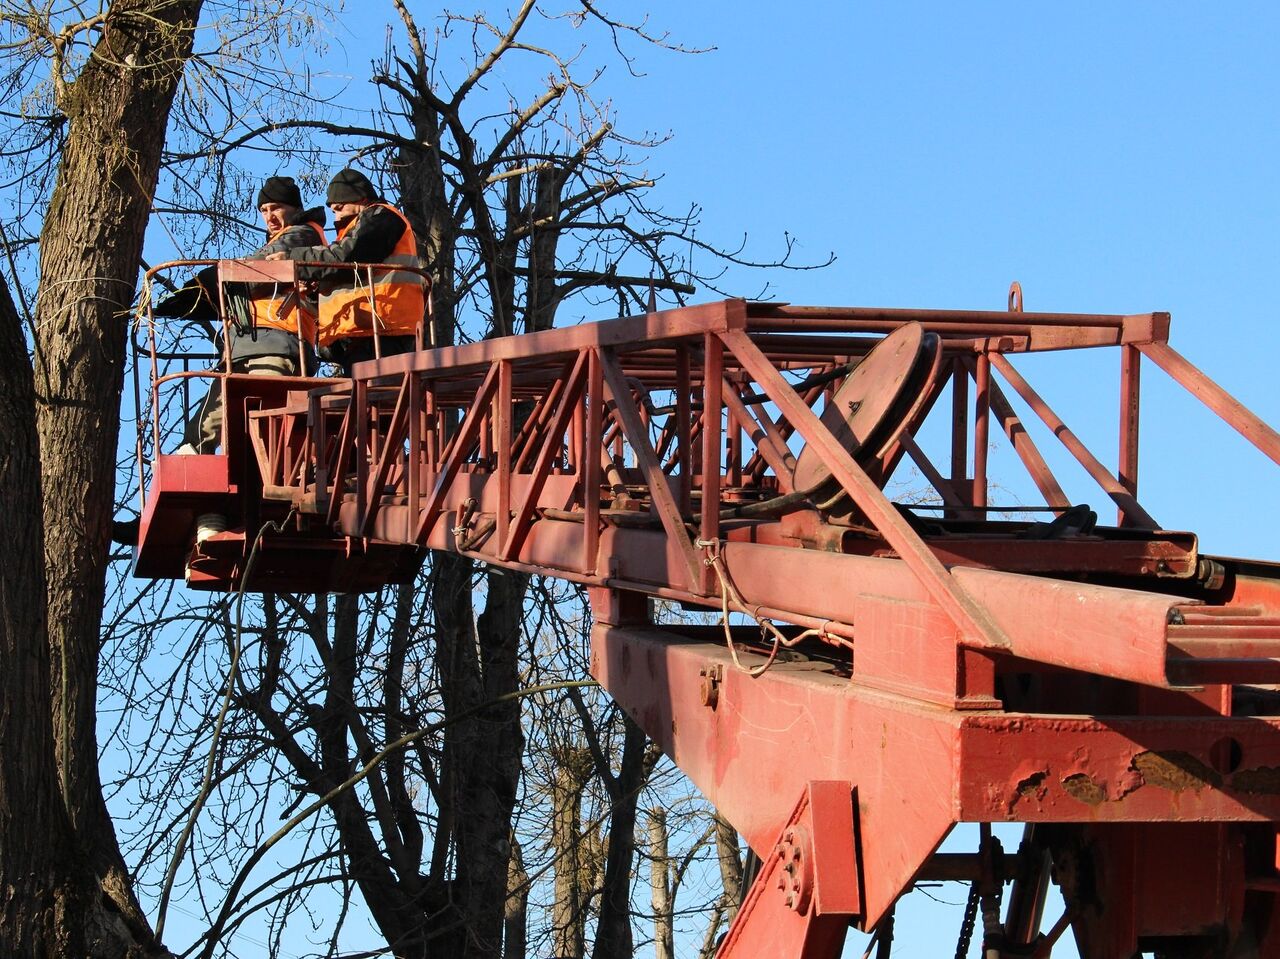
860,407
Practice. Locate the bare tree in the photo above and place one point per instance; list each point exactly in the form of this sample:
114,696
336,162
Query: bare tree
40,879
87,93
732,881
701,830
574,872
661,893
112,75
519,210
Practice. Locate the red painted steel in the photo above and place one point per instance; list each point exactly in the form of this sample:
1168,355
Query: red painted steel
1116,490
807,892
1215,397
299,551
1130,398
895,671
981,429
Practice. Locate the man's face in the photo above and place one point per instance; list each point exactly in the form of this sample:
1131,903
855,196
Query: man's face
342,212
276,215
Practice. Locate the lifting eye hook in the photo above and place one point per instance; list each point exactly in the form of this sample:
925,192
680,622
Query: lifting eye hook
1015,297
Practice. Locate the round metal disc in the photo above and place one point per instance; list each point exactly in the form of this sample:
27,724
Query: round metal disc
860,406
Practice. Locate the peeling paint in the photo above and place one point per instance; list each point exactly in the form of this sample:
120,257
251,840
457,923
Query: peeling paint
1175,770
1032,783
1086,789
1125,783
1262,779
1030,786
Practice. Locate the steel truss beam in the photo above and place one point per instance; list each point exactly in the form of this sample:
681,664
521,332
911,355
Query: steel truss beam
944,670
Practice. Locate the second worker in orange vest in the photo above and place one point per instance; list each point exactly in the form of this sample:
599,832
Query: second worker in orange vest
354,303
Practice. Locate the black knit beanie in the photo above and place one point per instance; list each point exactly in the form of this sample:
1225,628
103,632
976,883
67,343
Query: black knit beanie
280,189
350,186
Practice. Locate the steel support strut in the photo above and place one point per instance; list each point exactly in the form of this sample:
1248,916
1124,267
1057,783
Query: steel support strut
806,892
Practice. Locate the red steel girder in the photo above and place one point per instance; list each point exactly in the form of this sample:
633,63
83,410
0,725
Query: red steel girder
917,769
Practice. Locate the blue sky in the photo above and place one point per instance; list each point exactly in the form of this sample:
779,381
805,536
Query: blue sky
1110,157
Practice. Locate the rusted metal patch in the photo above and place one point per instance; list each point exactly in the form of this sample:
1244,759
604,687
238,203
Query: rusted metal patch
1263,779
1032,784
1175,770
1085,788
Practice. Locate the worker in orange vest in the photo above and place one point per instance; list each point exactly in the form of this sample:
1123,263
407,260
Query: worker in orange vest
273,328
356,303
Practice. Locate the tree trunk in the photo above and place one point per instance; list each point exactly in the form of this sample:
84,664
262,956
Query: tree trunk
730,866
90,246
613,927
660,886
732,880
426,205
57,466
392,904
40,886
572,868
382,842
515,935
479,663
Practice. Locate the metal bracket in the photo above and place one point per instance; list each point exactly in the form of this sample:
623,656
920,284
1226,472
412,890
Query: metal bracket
808,889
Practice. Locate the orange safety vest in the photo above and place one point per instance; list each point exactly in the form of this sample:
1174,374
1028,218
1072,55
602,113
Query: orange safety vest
393,303
282,307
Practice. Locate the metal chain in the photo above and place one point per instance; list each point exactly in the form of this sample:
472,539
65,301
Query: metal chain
967,924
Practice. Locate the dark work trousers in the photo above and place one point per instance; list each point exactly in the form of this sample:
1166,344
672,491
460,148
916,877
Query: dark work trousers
204,430
356,349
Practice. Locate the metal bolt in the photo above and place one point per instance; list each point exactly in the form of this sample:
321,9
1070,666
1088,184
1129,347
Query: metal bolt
793,876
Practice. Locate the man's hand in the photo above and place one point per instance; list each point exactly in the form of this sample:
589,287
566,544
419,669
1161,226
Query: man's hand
279,255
